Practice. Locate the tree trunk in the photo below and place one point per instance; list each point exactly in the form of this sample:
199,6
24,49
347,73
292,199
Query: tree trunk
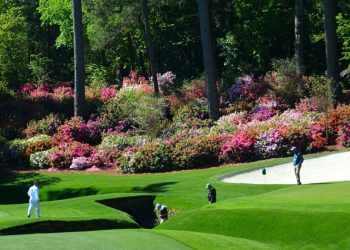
150,46
79,84
208,59
331,47
299,38
131,52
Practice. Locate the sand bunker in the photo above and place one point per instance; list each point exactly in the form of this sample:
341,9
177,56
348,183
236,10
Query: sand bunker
331,168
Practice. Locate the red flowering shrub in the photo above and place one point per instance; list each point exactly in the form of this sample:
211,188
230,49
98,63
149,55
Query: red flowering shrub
318,137
335,118
238,147
67,151
196,91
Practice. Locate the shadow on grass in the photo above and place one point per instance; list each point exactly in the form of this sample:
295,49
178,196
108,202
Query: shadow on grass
140,208
154,188
14,185
54,226
70,193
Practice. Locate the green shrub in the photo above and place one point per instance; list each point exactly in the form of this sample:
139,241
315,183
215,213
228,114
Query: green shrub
121,141
48,126
285,80
153,157
41,159
97,76
197,152
39,66
18,151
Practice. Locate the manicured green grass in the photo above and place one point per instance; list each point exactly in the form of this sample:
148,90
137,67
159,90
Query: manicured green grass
310,216
130,239
251,216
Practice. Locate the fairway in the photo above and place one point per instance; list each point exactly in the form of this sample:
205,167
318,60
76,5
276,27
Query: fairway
246,216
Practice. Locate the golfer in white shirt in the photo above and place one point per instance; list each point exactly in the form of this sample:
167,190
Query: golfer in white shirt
34,200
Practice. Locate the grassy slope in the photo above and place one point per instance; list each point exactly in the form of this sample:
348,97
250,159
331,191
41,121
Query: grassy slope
310,216
130,239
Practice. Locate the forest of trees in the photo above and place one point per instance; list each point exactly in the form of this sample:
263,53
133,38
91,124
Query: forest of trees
37,45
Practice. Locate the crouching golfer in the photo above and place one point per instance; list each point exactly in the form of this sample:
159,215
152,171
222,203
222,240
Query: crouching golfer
34,200
297,162
163,212
211,193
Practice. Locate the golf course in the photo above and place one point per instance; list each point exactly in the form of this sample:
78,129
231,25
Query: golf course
104,211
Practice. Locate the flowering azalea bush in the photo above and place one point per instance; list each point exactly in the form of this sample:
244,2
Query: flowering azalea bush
76,129
261,113
166,81
270,144
229,124
107,94
238,147
344,134
66,151
247,88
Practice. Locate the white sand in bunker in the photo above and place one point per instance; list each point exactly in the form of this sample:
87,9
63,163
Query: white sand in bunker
331,168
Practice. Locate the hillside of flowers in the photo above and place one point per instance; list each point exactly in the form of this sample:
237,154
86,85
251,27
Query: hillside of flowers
132,131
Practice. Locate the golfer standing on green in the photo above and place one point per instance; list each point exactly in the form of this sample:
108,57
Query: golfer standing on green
297,162
34,200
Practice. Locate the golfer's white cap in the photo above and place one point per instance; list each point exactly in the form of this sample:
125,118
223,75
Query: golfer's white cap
208,185
293,148
157,206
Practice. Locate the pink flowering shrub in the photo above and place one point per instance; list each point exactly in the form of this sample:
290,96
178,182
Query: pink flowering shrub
66,151
238,147
26,89
105,158
58,91
76,129
107,94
